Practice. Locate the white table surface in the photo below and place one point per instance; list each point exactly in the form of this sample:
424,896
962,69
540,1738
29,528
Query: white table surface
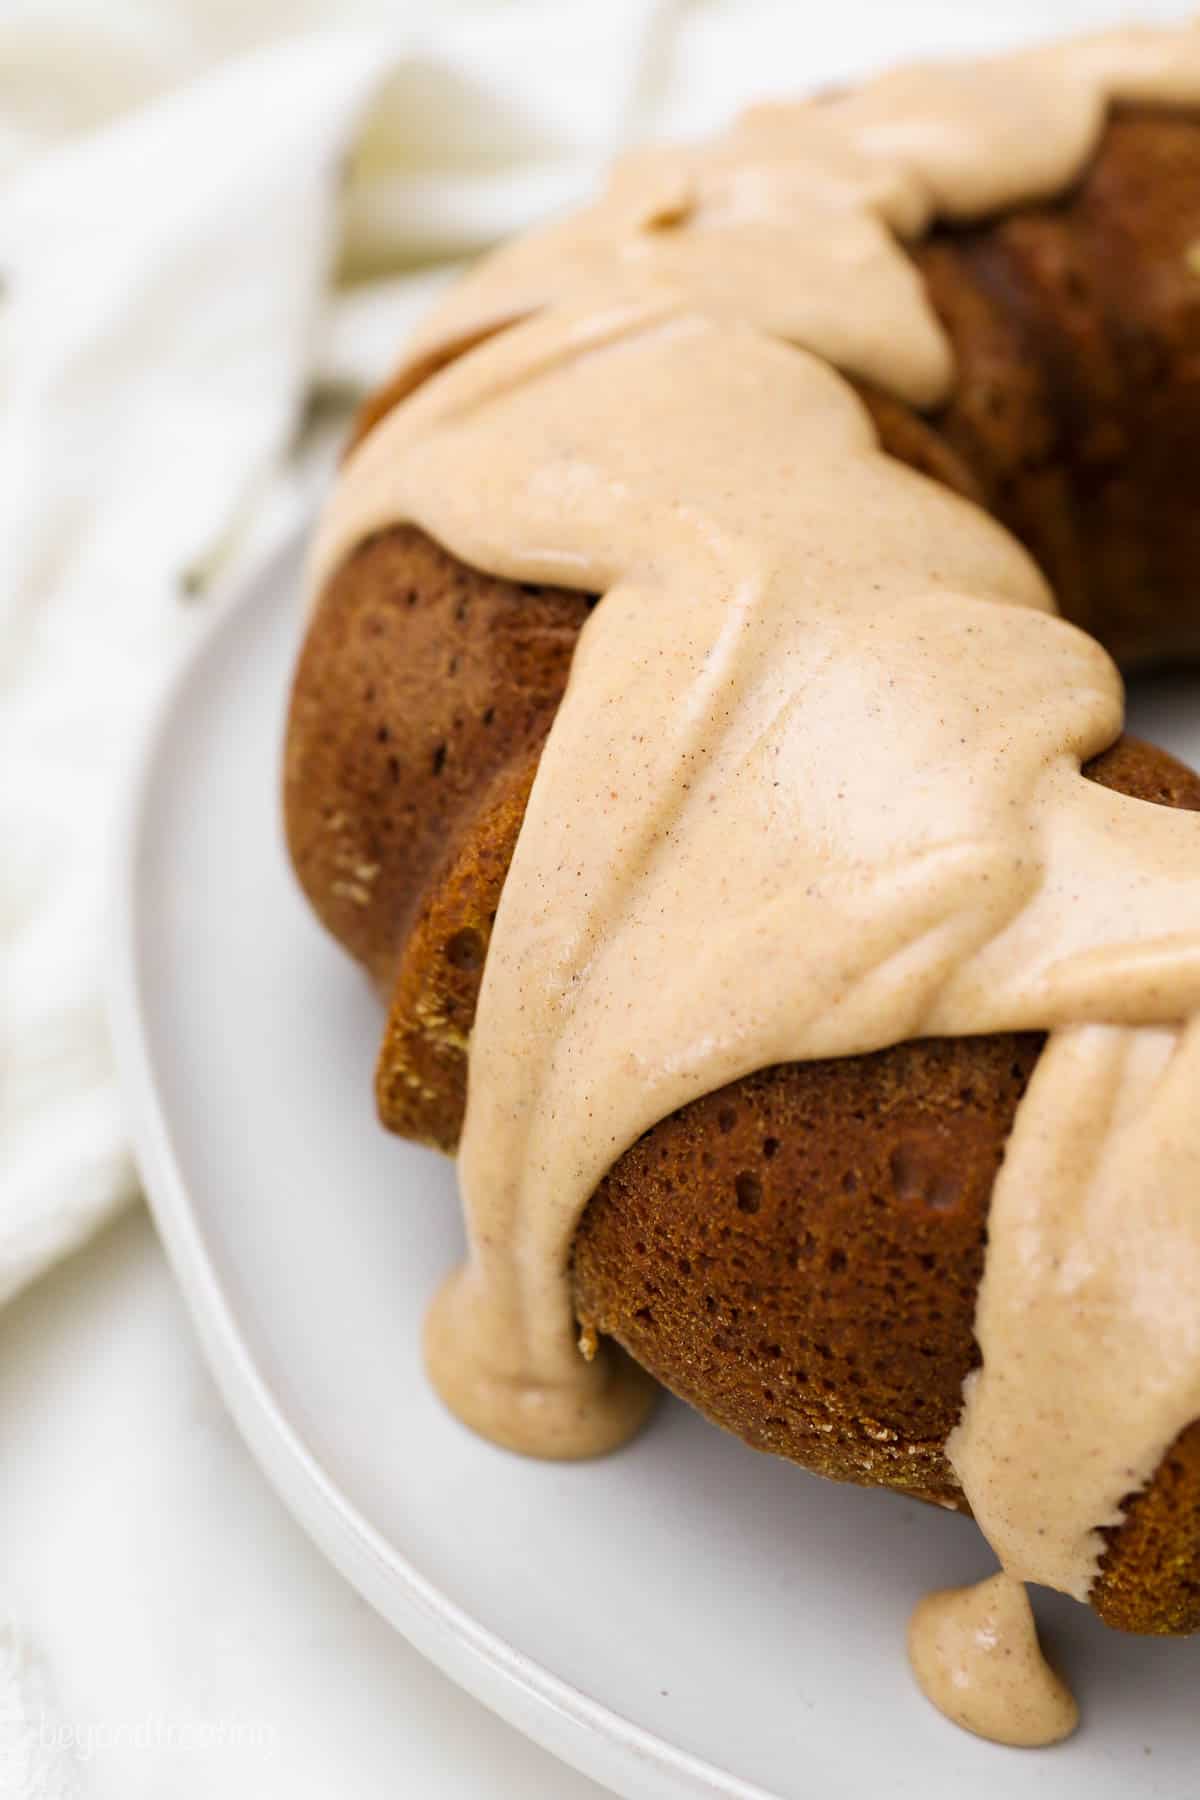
98,1366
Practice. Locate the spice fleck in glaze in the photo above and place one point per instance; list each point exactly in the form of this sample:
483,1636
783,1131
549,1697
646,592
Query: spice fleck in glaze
648,402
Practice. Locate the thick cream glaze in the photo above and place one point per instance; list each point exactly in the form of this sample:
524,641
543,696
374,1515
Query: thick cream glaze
976,1655
705,884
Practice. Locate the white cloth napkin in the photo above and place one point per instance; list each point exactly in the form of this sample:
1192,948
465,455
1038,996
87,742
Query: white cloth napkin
213,217
165,307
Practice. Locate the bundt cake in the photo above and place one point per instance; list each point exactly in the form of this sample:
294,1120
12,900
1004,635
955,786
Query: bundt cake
686,742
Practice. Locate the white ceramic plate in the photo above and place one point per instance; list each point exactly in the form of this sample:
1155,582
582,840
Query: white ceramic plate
685,1618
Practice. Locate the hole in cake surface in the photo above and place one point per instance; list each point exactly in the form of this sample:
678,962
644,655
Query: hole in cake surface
914,1177
944,1193
465,949
748,1190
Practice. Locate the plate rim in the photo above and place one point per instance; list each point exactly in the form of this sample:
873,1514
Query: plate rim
558,1716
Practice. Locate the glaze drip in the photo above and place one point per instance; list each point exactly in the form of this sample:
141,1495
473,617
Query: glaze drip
975,1654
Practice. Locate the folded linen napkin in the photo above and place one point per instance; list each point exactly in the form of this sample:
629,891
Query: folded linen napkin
164,315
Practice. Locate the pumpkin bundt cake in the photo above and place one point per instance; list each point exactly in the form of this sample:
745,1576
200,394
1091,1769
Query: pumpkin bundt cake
677,691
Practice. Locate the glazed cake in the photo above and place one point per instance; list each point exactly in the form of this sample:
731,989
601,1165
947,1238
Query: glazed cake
699,739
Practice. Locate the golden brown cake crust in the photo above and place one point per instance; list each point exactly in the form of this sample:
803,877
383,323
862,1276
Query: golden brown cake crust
1076,333
798,1255
420,682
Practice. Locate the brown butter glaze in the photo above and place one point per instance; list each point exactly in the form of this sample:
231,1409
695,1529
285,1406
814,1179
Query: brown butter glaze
1027,934
976,1655
752,1247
